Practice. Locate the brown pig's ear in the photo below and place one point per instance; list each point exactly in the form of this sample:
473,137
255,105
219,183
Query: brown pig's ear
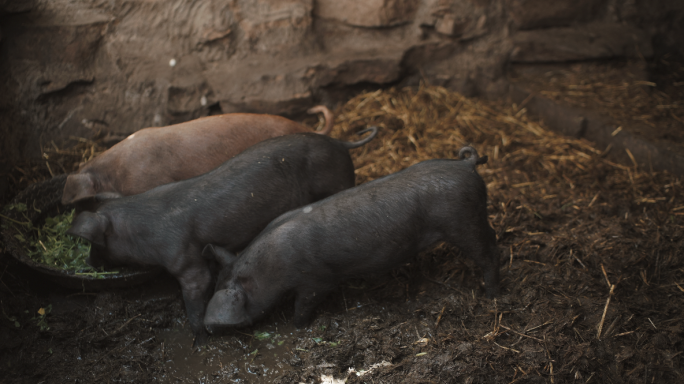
90,226
78,187
92,203
225,258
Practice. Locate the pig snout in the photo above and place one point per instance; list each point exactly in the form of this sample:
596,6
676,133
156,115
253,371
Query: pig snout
226,308
90,261
95,260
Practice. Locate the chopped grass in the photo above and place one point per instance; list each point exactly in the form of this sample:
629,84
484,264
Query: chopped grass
50,245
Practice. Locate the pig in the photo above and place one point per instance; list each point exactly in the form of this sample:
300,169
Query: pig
154,156
168,226
364,230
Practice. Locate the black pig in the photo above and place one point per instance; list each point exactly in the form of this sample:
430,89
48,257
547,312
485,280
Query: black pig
169,225
368,229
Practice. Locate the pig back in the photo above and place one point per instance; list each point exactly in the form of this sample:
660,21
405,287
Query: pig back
244,194
378,225
156,156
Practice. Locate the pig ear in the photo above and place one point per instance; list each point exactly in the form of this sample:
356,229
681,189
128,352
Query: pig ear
104,196
90,226
220,254
93,203
78,186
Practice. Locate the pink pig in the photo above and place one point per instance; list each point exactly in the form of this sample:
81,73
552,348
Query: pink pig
154,156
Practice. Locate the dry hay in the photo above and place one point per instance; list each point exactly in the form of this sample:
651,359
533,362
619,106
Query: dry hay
56,161
523,156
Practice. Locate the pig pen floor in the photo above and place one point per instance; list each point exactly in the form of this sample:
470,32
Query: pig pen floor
591,266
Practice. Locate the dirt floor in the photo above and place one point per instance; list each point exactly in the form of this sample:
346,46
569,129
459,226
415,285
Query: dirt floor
645,98
591,265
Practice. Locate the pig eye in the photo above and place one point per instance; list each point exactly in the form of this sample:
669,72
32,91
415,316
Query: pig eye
245,282
245,303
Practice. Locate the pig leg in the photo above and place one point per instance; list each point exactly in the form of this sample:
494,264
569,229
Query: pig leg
196,286
305,303
489,263
479,244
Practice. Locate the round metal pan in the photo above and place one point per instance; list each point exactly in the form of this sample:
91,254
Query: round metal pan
46,197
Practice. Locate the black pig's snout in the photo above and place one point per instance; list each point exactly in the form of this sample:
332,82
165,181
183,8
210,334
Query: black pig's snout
95,262
99,258
227,308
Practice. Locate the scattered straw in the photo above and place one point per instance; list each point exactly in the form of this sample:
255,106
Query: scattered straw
506,348
680,287
631,157
606,276
439,318
605,310
521,334
56,160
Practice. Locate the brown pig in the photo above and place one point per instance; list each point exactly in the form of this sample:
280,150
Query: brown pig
154,156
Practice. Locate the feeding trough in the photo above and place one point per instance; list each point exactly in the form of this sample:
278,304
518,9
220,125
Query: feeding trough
43,200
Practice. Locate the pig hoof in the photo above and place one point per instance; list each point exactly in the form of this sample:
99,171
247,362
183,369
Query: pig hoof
201,340
492,293
301,322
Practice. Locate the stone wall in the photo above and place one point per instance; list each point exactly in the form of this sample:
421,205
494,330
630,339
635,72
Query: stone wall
74,67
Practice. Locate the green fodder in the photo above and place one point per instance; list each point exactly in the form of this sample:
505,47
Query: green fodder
50,244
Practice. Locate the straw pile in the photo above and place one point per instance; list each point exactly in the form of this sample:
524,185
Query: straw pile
432,122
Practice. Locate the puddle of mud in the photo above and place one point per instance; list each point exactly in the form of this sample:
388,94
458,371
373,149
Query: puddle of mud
270,351
239,358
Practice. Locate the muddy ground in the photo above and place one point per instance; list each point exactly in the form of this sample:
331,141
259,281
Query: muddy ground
591,265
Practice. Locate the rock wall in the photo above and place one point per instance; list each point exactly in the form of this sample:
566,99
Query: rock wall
74,67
